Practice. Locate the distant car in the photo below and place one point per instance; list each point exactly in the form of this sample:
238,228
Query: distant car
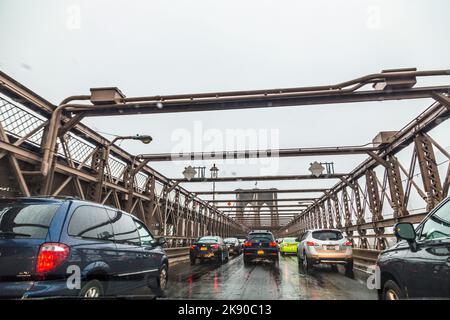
419,265
234,246
288,245
241,241
260,244
327,246
44,240
209,248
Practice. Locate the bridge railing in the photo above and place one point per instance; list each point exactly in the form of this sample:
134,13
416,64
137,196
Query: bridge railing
24,118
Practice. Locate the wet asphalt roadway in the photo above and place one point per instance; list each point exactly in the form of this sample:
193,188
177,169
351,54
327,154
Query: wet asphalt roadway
262,280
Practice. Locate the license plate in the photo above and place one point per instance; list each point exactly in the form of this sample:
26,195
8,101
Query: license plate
331,247
260,252
203,249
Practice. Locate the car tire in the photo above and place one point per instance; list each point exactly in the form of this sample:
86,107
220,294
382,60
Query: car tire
220,258
227,258
192,261
246,261
91,290
282,253
276,260
391,291
334,268
161,282
306,263
349,268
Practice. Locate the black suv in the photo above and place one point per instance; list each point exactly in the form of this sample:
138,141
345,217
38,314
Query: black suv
419,266
66,247
260,244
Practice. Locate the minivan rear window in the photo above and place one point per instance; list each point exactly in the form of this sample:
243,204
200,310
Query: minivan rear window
327,235
26,220
125,230
90,222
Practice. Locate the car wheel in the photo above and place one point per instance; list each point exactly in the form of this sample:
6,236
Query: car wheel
246,261
349,268
227,258
220,258
161,281
192,261
306,263
91,290
282,253
391,291
334,268
276,261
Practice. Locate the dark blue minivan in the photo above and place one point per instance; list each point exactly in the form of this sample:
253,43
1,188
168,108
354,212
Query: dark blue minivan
56,247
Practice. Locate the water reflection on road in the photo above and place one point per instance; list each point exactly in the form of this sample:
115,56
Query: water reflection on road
262,280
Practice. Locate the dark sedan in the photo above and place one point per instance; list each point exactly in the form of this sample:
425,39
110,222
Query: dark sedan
419,265
209,248
234,246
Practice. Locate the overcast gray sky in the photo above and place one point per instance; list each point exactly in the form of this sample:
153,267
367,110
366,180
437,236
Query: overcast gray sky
61,48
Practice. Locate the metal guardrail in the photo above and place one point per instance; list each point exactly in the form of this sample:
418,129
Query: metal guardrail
177,252
362,257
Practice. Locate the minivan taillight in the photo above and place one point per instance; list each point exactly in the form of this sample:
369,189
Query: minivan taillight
272,244
215,246
50,256
247,244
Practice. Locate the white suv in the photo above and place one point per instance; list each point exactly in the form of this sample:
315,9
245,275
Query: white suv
328,246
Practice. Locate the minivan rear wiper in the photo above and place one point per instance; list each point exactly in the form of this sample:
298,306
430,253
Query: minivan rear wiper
12,234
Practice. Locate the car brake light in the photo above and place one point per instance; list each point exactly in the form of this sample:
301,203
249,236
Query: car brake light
50,256
272,244
348,244
215,246
310,243
247,244
193,247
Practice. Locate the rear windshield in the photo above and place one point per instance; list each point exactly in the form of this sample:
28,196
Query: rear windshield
26,220
230,240
289,240
208,240
327,235
260,237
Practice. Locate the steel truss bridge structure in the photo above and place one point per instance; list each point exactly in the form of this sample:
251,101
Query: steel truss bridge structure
45,150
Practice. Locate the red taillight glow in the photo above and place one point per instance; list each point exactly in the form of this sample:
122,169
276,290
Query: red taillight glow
348,244
247,244
215,246
193,247
310,243
272,244
50,256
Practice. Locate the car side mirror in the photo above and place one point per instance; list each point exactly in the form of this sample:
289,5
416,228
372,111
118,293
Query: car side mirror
405,231
161,241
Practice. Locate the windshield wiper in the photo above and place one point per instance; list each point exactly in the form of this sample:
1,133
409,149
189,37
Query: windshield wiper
12,234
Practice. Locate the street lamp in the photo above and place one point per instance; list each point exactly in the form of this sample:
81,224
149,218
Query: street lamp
145,139
214,174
